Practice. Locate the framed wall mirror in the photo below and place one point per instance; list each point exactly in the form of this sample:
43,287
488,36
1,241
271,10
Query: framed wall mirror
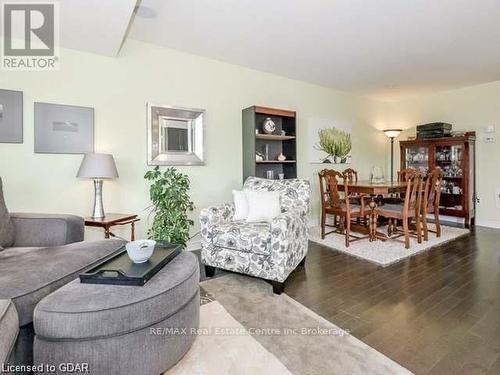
175,135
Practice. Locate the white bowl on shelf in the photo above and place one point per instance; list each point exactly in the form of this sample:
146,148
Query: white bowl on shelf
141,250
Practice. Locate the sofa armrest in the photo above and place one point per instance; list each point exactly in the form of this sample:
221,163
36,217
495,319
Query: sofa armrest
47,230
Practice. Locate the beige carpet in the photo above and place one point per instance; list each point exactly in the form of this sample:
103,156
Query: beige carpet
216,353
388,252
285,337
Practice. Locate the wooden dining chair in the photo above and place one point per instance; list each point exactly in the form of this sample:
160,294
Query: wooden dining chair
430,204
403,173
352,175
409,209
338,203
397,198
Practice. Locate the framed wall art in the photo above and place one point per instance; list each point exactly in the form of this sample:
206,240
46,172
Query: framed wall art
329,143
11,116
63,129
175,135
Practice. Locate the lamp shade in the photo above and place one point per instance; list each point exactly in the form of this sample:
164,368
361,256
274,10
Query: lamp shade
392,133
98,166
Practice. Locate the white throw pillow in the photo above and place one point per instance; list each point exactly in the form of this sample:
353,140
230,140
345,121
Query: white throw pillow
262,205
240,205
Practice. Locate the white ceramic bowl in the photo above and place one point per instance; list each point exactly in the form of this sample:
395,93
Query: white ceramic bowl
141,250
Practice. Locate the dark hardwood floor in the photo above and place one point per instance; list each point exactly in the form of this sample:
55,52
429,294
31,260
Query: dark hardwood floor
435,313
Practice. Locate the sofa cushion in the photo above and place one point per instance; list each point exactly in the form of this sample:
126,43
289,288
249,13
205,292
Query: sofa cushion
243,236
44,230
91,311
29,274
9,329
262,205
7,234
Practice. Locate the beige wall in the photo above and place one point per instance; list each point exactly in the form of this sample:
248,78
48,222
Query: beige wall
471,108
118,89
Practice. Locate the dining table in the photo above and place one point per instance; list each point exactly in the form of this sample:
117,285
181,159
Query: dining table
373,190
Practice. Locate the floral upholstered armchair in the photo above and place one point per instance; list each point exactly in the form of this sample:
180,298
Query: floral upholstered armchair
268,250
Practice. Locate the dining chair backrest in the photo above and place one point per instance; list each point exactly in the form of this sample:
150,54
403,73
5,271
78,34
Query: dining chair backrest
413,194
403,174
432,191
329,181
351,174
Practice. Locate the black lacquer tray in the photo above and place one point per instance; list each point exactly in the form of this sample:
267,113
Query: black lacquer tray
120,270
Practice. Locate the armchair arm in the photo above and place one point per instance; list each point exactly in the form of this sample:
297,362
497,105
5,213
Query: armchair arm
215,215
47,230
289,241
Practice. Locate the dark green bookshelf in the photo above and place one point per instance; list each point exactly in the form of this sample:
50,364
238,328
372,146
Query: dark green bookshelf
253,119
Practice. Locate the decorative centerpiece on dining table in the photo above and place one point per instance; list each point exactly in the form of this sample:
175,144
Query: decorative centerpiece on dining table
377,175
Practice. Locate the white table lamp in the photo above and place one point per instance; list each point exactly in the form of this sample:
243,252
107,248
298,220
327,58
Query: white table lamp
98,167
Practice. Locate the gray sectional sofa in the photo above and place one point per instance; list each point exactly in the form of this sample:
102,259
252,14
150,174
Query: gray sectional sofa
38,255
9,329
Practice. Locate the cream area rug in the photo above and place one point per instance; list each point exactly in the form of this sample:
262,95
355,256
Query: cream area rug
387,252
217,352
273,335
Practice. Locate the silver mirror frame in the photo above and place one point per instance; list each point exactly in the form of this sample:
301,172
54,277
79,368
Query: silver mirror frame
154,157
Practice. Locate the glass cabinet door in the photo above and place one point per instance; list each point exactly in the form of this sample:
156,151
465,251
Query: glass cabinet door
449,159
417,157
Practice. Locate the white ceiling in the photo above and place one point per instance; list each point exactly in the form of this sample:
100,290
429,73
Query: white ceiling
97,26
381,48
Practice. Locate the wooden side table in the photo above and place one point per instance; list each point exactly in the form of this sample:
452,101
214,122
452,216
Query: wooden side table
111,220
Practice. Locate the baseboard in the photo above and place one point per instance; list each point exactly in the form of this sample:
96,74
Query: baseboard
451,220
488,223
448,219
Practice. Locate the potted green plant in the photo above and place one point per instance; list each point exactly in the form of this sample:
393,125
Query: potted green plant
169,194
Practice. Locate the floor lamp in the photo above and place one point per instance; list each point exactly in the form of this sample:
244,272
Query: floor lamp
391,134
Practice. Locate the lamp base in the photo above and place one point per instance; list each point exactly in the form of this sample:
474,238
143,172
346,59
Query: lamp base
98,212
392,160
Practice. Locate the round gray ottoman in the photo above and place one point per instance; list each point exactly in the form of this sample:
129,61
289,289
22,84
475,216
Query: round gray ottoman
116,329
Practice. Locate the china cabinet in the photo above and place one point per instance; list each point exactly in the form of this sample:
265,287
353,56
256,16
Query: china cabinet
455,156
